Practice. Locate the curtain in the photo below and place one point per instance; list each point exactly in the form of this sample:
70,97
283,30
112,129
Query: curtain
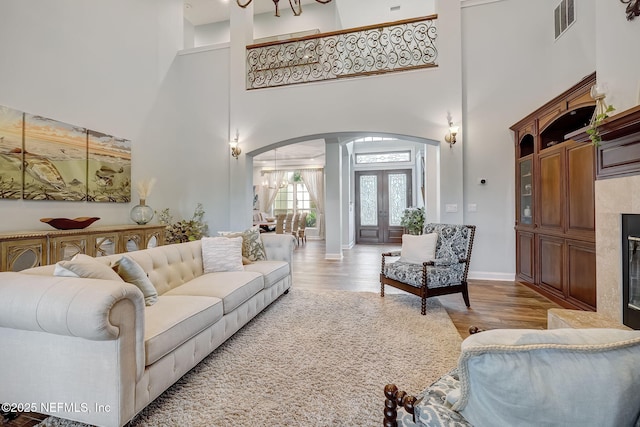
269,192
314,180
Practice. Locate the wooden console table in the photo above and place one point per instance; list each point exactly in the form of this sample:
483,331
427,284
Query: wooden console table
29,249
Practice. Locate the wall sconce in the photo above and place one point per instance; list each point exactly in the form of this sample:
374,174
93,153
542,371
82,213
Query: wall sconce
235,148
451,136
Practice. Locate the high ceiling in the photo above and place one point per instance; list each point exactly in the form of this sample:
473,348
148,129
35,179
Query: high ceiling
200,12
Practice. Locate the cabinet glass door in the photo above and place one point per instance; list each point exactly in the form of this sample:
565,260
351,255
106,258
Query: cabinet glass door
526,192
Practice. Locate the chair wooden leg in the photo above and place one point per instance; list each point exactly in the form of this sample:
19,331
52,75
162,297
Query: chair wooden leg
381,289
423,309
465,294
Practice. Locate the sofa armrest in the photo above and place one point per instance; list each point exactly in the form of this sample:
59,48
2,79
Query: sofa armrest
279,247
64,305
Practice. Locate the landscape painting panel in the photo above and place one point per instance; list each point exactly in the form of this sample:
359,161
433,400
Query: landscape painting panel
109,178
55,160
10,153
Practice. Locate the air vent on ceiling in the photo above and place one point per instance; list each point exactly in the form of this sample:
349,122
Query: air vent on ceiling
564,16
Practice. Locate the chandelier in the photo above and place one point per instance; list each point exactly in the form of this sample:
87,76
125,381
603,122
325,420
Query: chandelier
296,5
271,182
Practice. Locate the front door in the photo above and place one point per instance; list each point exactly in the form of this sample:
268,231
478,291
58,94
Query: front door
381,198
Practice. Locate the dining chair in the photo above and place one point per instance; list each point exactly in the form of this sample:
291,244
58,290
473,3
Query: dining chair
302,225
294,227
280,223
287,222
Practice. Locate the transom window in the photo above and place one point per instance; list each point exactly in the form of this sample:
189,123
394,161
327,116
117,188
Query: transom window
386,157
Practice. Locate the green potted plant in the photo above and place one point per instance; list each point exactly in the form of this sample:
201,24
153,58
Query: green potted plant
184,230
413,220
598,118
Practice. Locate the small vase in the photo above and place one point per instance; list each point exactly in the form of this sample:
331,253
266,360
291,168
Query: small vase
141,213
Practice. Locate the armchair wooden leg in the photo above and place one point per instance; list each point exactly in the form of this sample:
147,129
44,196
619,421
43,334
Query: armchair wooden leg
381,289
394,399
465,294
423,309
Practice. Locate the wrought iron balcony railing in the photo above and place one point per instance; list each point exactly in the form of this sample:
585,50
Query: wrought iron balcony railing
395,46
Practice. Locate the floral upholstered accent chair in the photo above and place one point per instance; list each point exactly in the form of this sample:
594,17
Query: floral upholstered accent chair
443,271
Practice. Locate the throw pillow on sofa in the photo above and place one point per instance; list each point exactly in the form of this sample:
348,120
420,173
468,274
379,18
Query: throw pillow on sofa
252,246
222,254
131,272
86,267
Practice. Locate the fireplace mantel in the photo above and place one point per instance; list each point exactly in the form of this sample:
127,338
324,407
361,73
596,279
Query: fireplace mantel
619,151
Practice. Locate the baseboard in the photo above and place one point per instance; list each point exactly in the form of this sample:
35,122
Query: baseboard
337,256
488,275
348,246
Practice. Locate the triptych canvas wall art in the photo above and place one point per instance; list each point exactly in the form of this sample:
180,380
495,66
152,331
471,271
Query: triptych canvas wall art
44,159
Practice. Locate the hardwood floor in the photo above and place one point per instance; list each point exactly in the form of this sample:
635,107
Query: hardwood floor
493,304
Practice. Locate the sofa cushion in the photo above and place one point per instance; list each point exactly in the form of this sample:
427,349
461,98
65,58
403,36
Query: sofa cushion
273,271
551,377
222,254
172,320
233,288
86,267
252,246
131,272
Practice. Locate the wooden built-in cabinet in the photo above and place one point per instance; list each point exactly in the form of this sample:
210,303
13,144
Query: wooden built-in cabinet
33,249
555,200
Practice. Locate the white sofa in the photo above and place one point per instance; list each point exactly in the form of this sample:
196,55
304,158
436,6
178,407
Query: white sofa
90,350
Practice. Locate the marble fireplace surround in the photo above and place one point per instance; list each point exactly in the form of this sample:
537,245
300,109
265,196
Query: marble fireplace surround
617,191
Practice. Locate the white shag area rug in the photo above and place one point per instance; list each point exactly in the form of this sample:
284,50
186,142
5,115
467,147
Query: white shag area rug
312,358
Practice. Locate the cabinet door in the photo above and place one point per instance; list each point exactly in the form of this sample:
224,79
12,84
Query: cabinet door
66,247
525,252
104,244
132,240
18,255
153,237
581,258
580,189
551,205
525,189
551,271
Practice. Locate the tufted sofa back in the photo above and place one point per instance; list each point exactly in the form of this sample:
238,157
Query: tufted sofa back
167,266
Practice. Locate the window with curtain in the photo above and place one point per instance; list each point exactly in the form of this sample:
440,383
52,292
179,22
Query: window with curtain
294,197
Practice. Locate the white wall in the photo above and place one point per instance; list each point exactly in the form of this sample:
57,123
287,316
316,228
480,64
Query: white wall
100,65
353,13
202,161
214,33
314,16
512,66
618,62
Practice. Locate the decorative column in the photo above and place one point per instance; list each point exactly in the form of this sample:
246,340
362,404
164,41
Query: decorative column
333,199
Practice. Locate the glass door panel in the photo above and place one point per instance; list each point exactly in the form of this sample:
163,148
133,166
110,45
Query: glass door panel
381,198
526,192
369,200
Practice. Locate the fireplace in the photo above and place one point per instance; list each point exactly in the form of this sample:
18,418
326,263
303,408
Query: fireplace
631,270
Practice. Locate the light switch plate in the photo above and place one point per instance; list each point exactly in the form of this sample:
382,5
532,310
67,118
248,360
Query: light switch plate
451,208
472,207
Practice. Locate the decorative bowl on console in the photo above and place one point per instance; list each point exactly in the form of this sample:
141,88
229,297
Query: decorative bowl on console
70,224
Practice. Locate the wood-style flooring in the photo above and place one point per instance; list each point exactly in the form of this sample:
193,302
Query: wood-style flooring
493,304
